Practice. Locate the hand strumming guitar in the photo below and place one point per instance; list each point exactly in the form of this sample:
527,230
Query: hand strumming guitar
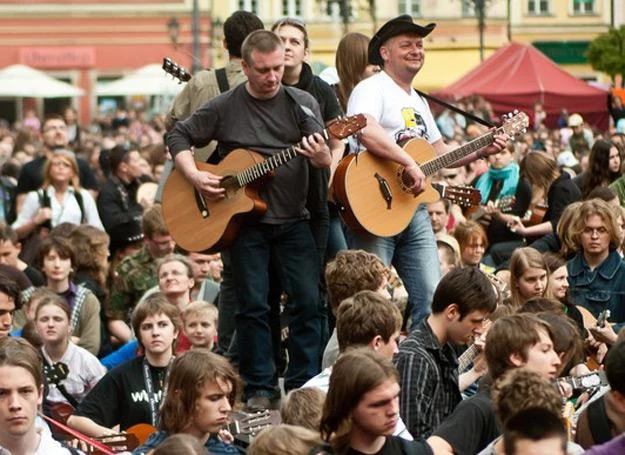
416,176
205,182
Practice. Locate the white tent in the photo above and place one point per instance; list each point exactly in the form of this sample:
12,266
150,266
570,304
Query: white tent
147,80
22,81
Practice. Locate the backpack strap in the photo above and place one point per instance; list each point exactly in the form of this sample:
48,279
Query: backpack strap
222,80
600,425
81,205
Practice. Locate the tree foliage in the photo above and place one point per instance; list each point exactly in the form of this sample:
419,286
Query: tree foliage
606,53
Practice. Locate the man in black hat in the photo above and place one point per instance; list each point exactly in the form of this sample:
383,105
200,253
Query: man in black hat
395,113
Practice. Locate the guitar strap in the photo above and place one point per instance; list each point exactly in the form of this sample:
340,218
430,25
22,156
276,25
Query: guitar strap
468,115
600,425
150,390
222,80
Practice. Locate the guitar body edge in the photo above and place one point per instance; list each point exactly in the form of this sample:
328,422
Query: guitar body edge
358,189
211,233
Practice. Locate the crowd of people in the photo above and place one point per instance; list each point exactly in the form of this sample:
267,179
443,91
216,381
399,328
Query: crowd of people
466,332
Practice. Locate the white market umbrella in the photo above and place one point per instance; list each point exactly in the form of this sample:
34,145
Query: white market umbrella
21,81
147,80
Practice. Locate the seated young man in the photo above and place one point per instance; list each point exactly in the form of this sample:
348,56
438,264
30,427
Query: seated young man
361,410
604,418
201,392
349,272
427,362
365,320
131,393
21,394
521,389
513,341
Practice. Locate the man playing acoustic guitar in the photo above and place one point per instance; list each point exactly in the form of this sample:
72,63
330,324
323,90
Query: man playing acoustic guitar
263,116
395,112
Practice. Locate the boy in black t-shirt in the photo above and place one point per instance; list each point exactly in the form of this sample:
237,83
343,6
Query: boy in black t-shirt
131,393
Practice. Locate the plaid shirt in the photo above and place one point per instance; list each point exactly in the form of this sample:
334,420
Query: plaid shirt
429,381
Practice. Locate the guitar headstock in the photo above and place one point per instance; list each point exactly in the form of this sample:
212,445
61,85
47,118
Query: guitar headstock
251,423
176,70
603,318
464,196
515,123
56,372
506,203
343,127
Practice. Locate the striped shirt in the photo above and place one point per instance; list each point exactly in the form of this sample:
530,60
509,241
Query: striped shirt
429,381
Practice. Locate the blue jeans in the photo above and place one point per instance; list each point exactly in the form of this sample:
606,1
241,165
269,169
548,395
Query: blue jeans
414,255
292,248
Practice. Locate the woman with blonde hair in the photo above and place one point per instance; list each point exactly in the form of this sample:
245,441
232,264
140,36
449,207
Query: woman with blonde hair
60,199
473,242
528,276
288,440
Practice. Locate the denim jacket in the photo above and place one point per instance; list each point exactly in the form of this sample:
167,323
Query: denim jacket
601,288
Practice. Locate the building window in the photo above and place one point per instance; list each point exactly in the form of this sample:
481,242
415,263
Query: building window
249,5
468,10
292,8
412,7
583,6
537,7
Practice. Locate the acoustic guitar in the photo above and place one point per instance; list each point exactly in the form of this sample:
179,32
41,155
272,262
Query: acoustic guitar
504,205
197,224
373,194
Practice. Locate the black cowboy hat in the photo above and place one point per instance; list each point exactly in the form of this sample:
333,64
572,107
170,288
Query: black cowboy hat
398,26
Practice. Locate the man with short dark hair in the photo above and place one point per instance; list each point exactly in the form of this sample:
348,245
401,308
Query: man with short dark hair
427,362
262,116
10,248
9,302
119,209
534,431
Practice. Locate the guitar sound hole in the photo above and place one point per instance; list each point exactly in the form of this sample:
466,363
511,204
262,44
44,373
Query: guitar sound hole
231,185
405,182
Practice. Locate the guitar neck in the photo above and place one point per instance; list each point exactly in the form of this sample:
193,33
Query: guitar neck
434,165
260,170
467,357
595,379
77,434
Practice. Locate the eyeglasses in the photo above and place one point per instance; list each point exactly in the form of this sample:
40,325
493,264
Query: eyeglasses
591,231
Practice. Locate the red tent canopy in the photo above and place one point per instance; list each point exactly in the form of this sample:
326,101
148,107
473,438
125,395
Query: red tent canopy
518,75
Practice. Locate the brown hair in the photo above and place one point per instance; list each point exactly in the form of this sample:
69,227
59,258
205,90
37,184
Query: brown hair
262,41
68,157
62,247
601,209
154,304
563,229
175,257
54,300
7,234
303,407
468,231
181,444
453,289
350,61
364,316
190,373
514,334
523,259
520,389
567,342
296,23
86,240
351,271
354,374
17,352
153,222
539,169
286,440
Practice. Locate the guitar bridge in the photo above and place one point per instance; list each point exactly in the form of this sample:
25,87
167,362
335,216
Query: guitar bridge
385,189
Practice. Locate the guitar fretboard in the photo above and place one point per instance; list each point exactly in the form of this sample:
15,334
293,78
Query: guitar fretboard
248,175
432,166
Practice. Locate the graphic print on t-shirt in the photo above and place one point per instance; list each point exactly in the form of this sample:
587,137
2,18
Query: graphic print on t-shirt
414,126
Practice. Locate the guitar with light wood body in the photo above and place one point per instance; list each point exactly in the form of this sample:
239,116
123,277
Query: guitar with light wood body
373,193
200,225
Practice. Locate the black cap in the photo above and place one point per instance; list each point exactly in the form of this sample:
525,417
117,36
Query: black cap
398,26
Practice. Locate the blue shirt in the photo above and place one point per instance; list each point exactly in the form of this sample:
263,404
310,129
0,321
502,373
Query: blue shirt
214,445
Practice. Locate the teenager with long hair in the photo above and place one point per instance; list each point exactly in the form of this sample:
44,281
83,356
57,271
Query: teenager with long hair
604,167
528,276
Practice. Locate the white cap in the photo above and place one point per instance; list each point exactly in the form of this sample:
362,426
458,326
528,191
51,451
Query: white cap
575,120
567,159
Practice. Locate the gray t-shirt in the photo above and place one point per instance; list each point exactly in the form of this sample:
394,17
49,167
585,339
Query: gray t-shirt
237,120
